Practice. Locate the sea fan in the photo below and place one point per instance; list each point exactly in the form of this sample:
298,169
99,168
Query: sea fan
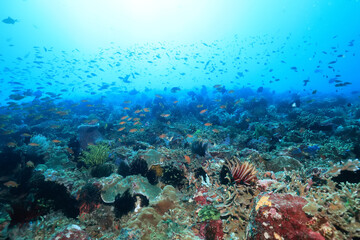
242,172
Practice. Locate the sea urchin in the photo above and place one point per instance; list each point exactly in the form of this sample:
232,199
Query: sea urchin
242,172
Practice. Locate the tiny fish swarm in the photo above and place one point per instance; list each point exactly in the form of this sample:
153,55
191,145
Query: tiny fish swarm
242,173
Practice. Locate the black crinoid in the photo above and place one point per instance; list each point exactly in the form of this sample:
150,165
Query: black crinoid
240,172
199,147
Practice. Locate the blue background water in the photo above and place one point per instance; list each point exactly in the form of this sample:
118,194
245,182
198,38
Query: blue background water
79,48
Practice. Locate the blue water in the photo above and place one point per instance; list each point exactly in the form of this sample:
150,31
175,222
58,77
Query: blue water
95,48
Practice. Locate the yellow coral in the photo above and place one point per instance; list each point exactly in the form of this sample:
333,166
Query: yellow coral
264,201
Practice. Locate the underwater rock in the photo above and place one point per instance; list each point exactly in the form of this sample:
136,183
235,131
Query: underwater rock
277,216
280,163
9,160
72,232
89,198
211,230
115,184
88,134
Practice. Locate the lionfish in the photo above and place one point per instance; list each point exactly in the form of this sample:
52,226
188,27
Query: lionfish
242,172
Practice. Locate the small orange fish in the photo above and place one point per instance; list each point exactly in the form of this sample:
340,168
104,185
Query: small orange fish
158,96
175,102
11,144
120,129
70,151
124,117
199,106
215,130
203,111
56,141
85,100
223,106
231,91
25,135
62,113
162,136
187,158
165,115
90,105
11,184
208,124
30,164
247,120
136,119
217,100
126,108
122,123
136,123
142,129
129,119
142,115
189,135
146,110
34,144
133,130
138,111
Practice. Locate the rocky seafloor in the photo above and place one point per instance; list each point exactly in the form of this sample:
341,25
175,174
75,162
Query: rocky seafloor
241,169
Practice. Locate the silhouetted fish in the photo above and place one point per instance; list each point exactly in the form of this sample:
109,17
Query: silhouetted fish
9,20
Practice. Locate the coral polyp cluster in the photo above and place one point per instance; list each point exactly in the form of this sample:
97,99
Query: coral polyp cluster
242,172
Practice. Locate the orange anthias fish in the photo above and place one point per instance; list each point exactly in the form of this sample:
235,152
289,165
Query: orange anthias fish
34,144
124,117
120,129
138,111
146,110
126,108
165,115
11,144
223,106
122,123
203,111
133,130
208,124
189,135
11,184
162,136
187,158
30,164
215,130
56,141
25,135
